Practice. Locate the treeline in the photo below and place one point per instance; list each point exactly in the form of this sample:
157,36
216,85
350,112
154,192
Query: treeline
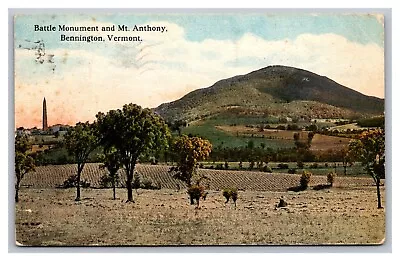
273,155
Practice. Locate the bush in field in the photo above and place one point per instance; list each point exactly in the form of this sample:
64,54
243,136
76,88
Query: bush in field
305,179
226,194
105,181
136,181
251,165
283,166
330,178
195,193
72,181
226,165
219,166
229,193
292,171
234,195
300,164
148,184
267,168
314,166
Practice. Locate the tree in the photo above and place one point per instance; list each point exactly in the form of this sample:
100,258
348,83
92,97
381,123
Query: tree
133,132
370,150
112,163
80,141
23,162
347,158
189,151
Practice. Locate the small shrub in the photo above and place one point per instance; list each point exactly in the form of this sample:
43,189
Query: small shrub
105,181
234,195
267,168
305,179
300,164
136,181
283,166
72,181
226,165
226,193
148,184
153,161
282,203
314,166
251,165
195,193
292,171
330,178
230,193
219,166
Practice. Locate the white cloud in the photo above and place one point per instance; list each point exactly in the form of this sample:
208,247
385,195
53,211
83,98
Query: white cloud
166,66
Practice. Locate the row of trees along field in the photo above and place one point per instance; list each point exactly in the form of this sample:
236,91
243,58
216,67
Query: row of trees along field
125,135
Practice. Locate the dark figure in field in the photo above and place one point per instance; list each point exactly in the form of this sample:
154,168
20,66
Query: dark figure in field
281,203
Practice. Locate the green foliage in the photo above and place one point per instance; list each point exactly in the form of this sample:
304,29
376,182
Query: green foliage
80,141
370,151
133,132
292,171
72,182
267,168
22,144
300,164
372,122
105,181
283,166
112,163
330,178
23,162
189,150
314,166
305,179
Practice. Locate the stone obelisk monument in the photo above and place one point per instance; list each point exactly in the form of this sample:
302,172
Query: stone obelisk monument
44,115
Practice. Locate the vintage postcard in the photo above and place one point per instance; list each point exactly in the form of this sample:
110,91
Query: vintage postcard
197,129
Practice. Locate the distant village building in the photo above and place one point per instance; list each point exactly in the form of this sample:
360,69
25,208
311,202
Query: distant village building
327,120
60,128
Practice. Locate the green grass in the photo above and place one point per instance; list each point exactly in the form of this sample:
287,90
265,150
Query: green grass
206,129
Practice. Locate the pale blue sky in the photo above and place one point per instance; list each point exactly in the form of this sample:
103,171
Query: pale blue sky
198,27
197,51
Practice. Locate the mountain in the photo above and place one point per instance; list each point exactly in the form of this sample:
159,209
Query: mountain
274,91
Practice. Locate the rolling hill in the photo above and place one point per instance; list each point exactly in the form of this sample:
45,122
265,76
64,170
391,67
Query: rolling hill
274,91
